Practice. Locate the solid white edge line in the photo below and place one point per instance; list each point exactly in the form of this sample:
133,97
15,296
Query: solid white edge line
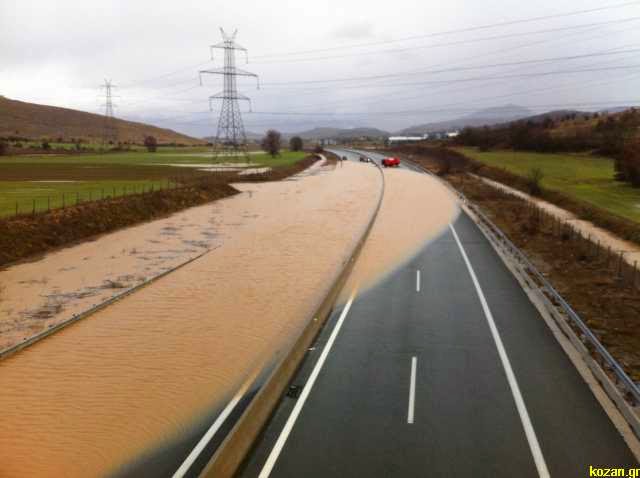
412,390
286,430
418,280
530,433
206,438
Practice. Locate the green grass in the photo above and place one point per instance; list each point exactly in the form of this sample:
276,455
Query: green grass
580,176
51,181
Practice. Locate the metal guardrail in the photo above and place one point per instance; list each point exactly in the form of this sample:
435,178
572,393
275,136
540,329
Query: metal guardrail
629,389
603,357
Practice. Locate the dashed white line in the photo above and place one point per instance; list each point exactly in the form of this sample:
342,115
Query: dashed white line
529,431
412,390
284,434
418,280
213,429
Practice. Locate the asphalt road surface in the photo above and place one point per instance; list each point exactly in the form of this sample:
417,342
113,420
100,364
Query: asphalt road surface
443,369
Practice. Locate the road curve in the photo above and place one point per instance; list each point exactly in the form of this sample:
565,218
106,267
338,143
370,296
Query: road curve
445,368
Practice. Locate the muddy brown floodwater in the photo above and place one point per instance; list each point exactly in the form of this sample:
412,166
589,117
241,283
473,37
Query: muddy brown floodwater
135,375
416,209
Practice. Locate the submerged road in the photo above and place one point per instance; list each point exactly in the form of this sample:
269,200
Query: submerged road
443,369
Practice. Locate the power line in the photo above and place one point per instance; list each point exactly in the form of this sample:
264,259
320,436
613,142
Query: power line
454,43
460,68
460,30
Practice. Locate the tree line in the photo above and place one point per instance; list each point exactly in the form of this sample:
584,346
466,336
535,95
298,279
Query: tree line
616,136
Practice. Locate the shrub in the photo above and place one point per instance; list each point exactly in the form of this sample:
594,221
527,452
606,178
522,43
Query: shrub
628,164
295,143
534,180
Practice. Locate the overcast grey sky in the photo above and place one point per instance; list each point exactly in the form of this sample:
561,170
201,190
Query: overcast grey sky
312,71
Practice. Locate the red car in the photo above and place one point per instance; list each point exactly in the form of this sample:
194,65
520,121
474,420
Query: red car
390,162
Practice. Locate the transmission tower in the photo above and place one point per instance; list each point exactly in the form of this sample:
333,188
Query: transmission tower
230,137
109,130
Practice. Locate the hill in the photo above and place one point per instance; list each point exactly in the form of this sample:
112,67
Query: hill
488,116
341,133
33,121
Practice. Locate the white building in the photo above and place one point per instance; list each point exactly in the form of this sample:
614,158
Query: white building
407,139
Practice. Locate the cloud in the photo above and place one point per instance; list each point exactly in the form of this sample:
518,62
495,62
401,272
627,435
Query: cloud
354,30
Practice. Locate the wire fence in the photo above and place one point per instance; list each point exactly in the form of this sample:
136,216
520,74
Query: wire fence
62,200
589,249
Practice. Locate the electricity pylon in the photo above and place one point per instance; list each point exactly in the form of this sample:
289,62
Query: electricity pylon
231,138
109,130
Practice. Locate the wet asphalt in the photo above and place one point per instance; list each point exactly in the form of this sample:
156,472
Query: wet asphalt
355,421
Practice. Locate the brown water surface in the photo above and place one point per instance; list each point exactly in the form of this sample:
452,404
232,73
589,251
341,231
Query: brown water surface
93,397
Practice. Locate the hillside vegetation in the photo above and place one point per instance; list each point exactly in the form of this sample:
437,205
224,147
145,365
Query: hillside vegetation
21,120
613,135
581,176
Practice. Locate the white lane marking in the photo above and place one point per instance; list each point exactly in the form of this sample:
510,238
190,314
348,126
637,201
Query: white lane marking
213,429
534,446
418,280
412,390
284,434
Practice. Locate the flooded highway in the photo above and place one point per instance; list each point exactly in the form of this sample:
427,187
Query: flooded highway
139,374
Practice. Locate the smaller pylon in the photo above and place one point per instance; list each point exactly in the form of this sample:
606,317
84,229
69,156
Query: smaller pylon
109,130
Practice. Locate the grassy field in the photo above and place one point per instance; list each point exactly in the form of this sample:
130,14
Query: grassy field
51,181
580,176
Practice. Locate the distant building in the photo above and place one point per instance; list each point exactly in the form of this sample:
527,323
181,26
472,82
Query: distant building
407,139
328,142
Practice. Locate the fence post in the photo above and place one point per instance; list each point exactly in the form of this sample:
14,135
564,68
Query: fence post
620,265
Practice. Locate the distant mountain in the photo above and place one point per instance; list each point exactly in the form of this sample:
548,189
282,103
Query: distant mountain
33,121
556,115
340,133
488,116
616,109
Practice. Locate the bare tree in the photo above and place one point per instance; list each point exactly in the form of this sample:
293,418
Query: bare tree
271,142
151,143
295,143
